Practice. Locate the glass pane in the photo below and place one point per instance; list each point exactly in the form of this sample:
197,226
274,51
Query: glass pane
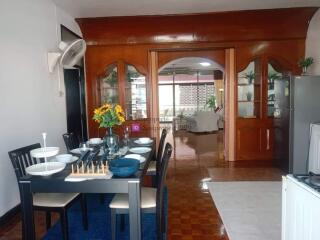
109,85
185,92
165,103
136,94
165,76
272,76
249,91
206,89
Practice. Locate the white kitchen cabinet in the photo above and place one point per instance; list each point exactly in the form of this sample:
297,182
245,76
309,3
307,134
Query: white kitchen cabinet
300,211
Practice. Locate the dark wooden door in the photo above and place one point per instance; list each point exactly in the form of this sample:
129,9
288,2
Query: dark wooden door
75,102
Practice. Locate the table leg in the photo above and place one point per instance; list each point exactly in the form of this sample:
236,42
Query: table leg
134,210
174,126
28,232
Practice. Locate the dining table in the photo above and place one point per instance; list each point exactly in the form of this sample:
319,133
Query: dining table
56,183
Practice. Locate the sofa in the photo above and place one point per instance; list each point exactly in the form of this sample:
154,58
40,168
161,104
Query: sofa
203,121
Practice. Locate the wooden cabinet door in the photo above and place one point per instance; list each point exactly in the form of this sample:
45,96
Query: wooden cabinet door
255,131
122,83
254,139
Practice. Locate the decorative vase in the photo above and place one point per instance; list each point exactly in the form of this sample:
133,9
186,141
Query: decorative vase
249,96
111,141
304,70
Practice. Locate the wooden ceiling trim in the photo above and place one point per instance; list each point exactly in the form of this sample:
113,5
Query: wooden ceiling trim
251,25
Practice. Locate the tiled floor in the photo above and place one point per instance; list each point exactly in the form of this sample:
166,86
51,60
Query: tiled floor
192,214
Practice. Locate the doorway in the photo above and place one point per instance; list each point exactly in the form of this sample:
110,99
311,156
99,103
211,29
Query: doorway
75,102
191,104
189,85
74,81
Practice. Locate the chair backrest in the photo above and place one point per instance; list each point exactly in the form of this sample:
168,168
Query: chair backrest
21,158
160,147
71,140
160,188
161,144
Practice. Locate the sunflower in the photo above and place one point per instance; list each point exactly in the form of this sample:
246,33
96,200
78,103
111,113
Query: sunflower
109,115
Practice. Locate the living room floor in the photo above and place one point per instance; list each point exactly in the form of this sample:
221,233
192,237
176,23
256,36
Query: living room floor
192,213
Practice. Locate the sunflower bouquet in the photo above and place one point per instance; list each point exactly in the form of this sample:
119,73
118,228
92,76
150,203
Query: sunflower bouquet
109,115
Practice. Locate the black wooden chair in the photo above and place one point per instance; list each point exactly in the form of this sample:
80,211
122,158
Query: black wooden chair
154,165
152,200
48,202
71,140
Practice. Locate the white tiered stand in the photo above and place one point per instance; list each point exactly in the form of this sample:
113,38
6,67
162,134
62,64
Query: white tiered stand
46,168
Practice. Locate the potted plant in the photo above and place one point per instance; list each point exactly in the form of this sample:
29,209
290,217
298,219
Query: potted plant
305,63
271,78
211,102
181,115
249,96
108,116
250,76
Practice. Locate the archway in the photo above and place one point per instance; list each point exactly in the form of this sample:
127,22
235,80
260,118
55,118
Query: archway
191,105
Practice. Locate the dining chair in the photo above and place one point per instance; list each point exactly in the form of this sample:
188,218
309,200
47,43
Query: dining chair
71,141
154,165
152,200
48,202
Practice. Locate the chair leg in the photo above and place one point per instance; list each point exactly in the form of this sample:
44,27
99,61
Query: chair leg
122,222
48,219
64,224
154,180
83,201
159,228
101,198
113,224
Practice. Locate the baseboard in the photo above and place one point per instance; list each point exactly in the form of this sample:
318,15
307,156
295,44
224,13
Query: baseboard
9,215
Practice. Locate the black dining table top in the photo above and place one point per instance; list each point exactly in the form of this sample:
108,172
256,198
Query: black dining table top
56,182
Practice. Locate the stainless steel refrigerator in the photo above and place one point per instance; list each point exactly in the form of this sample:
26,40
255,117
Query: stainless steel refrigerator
296,106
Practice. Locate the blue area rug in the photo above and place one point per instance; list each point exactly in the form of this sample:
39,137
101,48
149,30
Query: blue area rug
99,222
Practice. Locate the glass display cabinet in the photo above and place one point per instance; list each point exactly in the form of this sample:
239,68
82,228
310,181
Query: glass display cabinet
249,91
135,94
123,84
273,75
109,85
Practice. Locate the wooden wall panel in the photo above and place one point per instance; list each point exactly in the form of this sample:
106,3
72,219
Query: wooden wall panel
249,25
278,34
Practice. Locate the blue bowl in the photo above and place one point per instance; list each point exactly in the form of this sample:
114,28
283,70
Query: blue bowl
124,167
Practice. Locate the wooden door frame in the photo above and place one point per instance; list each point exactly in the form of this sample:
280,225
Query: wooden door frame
230,105
230,101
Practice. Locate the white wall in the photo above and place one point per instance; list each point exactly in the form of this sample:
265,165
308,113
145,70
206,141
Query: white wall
313,44
29,99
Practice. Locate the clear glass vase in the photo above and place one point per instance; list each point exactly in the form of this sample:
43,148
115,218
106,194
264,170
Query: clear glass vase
111,141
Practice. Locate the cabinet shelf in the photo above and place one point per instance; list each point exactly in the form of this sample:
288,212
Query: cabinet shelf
247,84
248,117
108,88
245,101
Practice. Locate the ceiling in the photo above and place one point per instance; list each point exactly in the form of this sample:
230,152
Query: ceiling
105,8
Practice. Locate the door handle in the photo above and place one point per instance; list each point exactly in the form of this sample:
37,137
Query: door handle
268,139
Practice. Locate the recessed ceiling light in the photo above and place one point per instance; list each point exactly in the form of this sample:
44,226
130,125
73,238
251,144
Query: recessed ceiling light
205,64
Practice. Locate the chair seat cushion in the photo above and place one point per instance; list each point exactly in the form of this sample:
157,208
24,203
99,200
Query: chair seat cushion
148,199
53,199
152,166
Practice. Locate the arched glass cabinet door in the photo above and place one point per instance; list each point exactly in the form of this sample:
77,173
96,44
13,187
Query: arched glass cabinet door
135,93
278,84
109,85
249,90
